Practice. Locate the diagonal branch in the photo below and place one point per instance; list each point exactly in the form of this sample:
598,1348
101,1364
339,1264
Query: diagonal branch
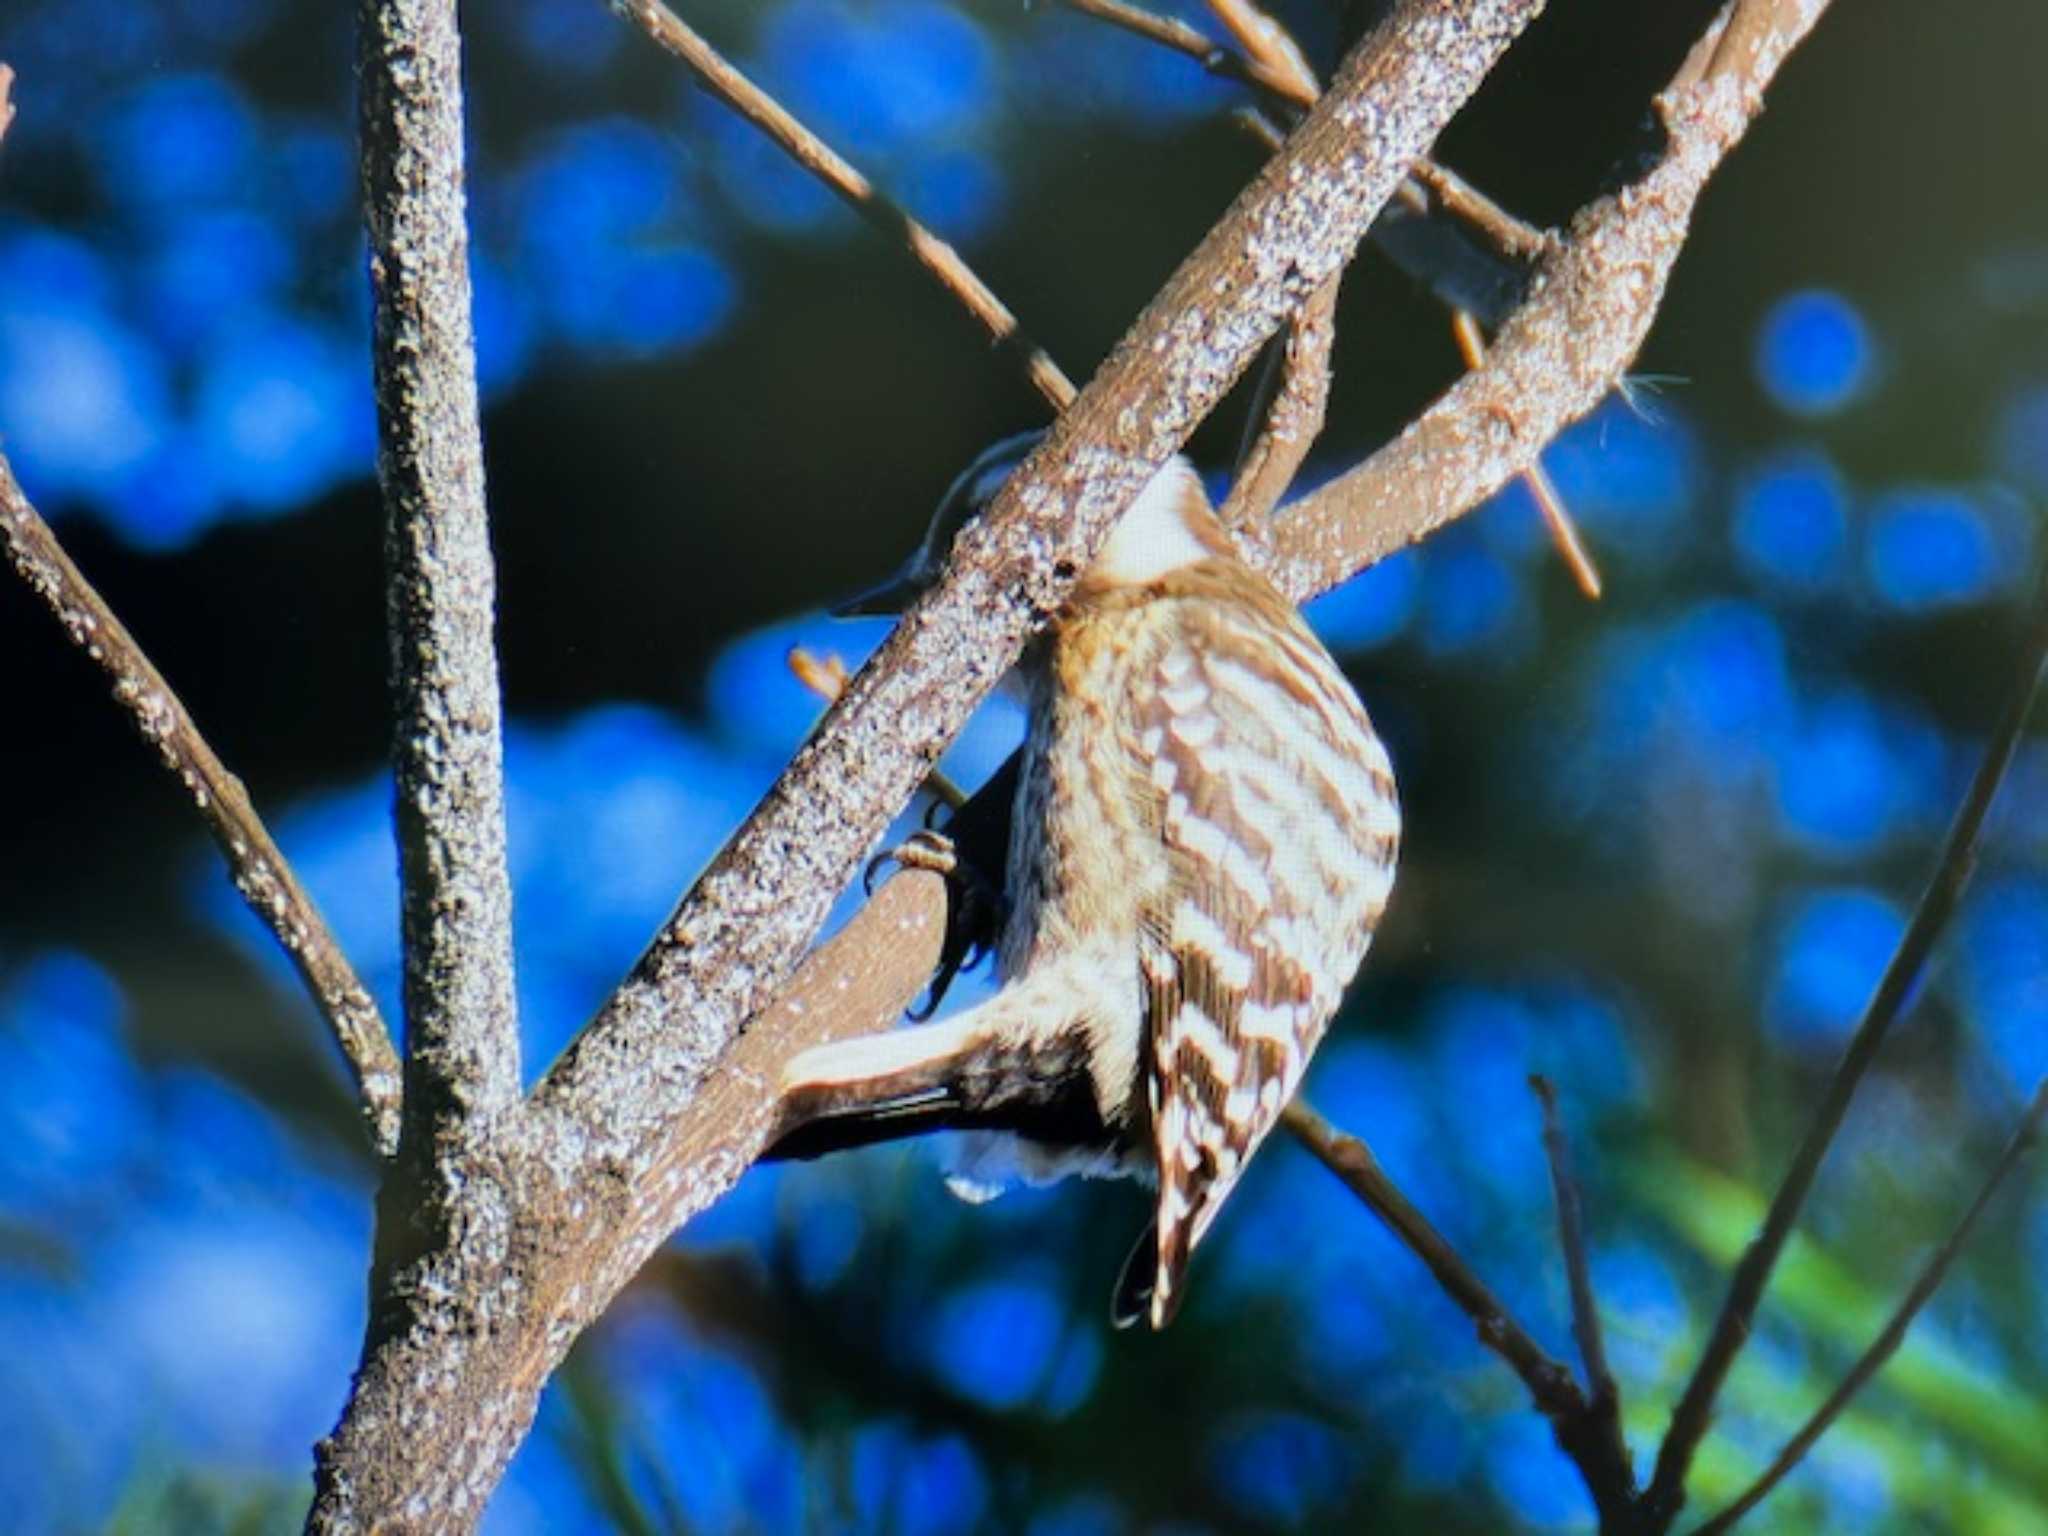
1548,1379
717,75
462,1031
1690,1419
753,911
1590,305
254,862
1886,1344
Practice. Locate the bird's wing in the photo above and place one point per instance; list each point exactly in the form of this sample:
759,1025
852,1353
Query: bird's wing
1276,805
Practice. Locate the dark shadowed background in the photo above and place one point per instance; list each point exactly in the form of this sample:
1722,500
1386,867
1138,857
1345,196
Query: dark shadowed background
1658,847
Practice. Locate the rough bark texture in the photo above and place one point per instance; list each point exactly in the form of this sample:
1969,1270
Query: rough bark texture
462,1036
552,1205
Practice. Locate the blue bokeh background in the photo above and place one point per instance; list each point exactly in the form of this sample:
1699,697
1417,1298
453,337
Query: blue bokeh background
1659,848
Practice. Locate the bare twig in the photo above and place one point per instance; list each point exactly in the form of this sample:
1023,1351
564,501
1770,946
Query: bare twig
719,77
1564,533
1732,1326
462,1032
1171,32
1887,1342
254,862
1459,198
6,101
1604,1405
1548,1379
1268,45
826,676
1279,437
1429,185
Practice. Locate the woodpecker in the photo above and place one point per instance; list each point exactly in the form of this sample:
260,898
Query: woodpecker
1203,840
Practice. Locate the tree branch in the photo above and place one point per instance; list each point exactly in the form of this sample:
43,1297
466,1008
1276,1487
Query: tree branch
1548,1379
1886,1344
462,1032
1690,1419
1614,1488
718,76
1589,307
571,1193
255,864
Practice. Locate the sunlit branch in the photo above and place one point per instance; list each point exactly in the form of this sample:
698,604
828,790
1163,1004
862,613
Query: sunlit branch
730,86
255,864
462,1028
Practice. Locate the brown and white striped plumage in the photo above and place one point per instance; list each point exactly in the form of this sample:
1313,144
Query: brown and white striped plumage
1204,838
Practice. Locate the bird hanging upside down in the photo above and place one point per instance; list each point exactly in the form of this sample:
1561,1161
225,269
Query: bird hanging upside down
1203,841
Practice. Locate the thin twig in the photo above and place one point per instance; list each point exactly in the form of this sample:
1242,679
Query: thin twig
1459,198
1171,32
718,76
1270,47
1564,533
1604,1405
255,864
1429,185
1548,1379
1690,1420
6,101
462,1027
1287,416
1886,1344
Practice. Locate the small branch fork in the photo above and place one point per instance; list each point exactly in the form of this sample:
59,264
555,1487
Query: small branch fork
549,1204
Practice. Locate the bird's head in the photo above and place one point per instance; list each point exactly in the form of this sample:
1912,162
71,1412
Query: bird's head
1170,525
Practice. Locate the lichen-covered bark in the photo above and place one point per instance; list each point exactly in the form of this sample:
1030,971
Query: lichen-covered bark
462,1038
552,1204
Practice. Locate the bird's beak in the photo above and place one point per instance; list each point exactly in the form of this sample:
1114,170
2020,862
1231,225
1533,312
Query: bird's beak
891,597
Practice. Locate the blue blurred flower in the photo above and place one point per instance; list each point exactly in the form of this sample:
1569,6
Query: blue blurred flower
207,270
1471,600
284,413
916,1488
1850,773
992,1342
1814,353
1791,522
1630,479
603,224
85,399
1931,548
176,142
2005,976
1832,945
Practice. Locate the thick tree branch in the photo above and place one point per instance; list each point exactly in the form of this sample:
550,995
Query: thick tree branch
254,862
753,910
576,1190
1691,1418
1887,1342
462,1033
1589,307
718,76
